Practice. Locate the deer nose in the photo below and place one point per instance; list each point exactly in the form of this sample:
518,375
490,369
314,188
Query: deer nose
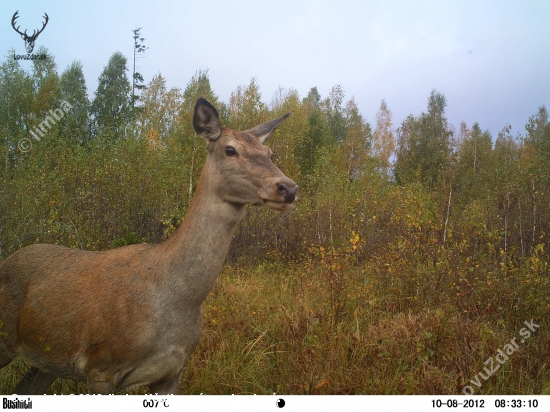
288,193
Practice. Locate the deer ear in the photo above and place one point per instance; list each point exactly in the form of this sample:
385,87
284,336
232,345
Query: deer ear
262,131
206,120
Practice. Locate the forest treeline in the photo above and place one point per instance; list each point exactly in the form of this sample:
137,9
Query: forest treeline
117,169
392,217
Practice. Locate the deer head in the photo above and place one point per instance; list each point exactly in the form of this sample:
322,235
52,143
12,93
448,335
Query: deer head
29,40
243,170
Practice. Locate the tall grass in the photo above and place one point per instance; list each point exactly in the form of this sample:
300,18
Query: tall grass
288,329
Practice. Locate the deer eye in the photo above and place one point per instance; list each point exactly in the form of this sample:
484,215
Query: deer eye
230,151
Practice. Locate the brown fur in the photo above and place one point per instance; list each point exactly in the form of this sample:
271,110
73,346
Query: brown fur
131,316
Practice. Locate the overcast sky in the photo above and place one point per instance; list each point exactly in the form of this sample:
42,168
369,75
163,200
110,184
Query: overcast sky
491,59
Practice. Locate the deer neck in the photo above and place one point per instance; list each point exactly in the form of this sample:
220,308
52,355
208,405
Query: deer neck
196,252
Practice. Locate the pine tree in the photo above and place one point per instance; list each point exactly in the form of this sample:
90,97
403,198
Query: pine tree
137,77
75,125
111,107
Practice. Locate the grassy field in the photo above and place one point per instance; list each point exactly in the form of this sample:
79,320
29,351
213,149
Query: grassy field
333,326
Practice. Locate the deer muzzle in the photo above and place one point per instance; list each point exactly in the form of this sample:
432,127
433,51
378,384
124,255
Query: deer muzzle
286,192
282,196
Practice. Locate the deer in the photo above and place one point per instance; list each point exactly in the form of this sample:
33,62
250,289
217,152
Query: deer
29,40
131,316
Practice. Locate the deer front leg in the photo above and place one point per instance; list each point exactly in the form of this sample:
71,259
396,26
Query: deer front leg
35,382
167,386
